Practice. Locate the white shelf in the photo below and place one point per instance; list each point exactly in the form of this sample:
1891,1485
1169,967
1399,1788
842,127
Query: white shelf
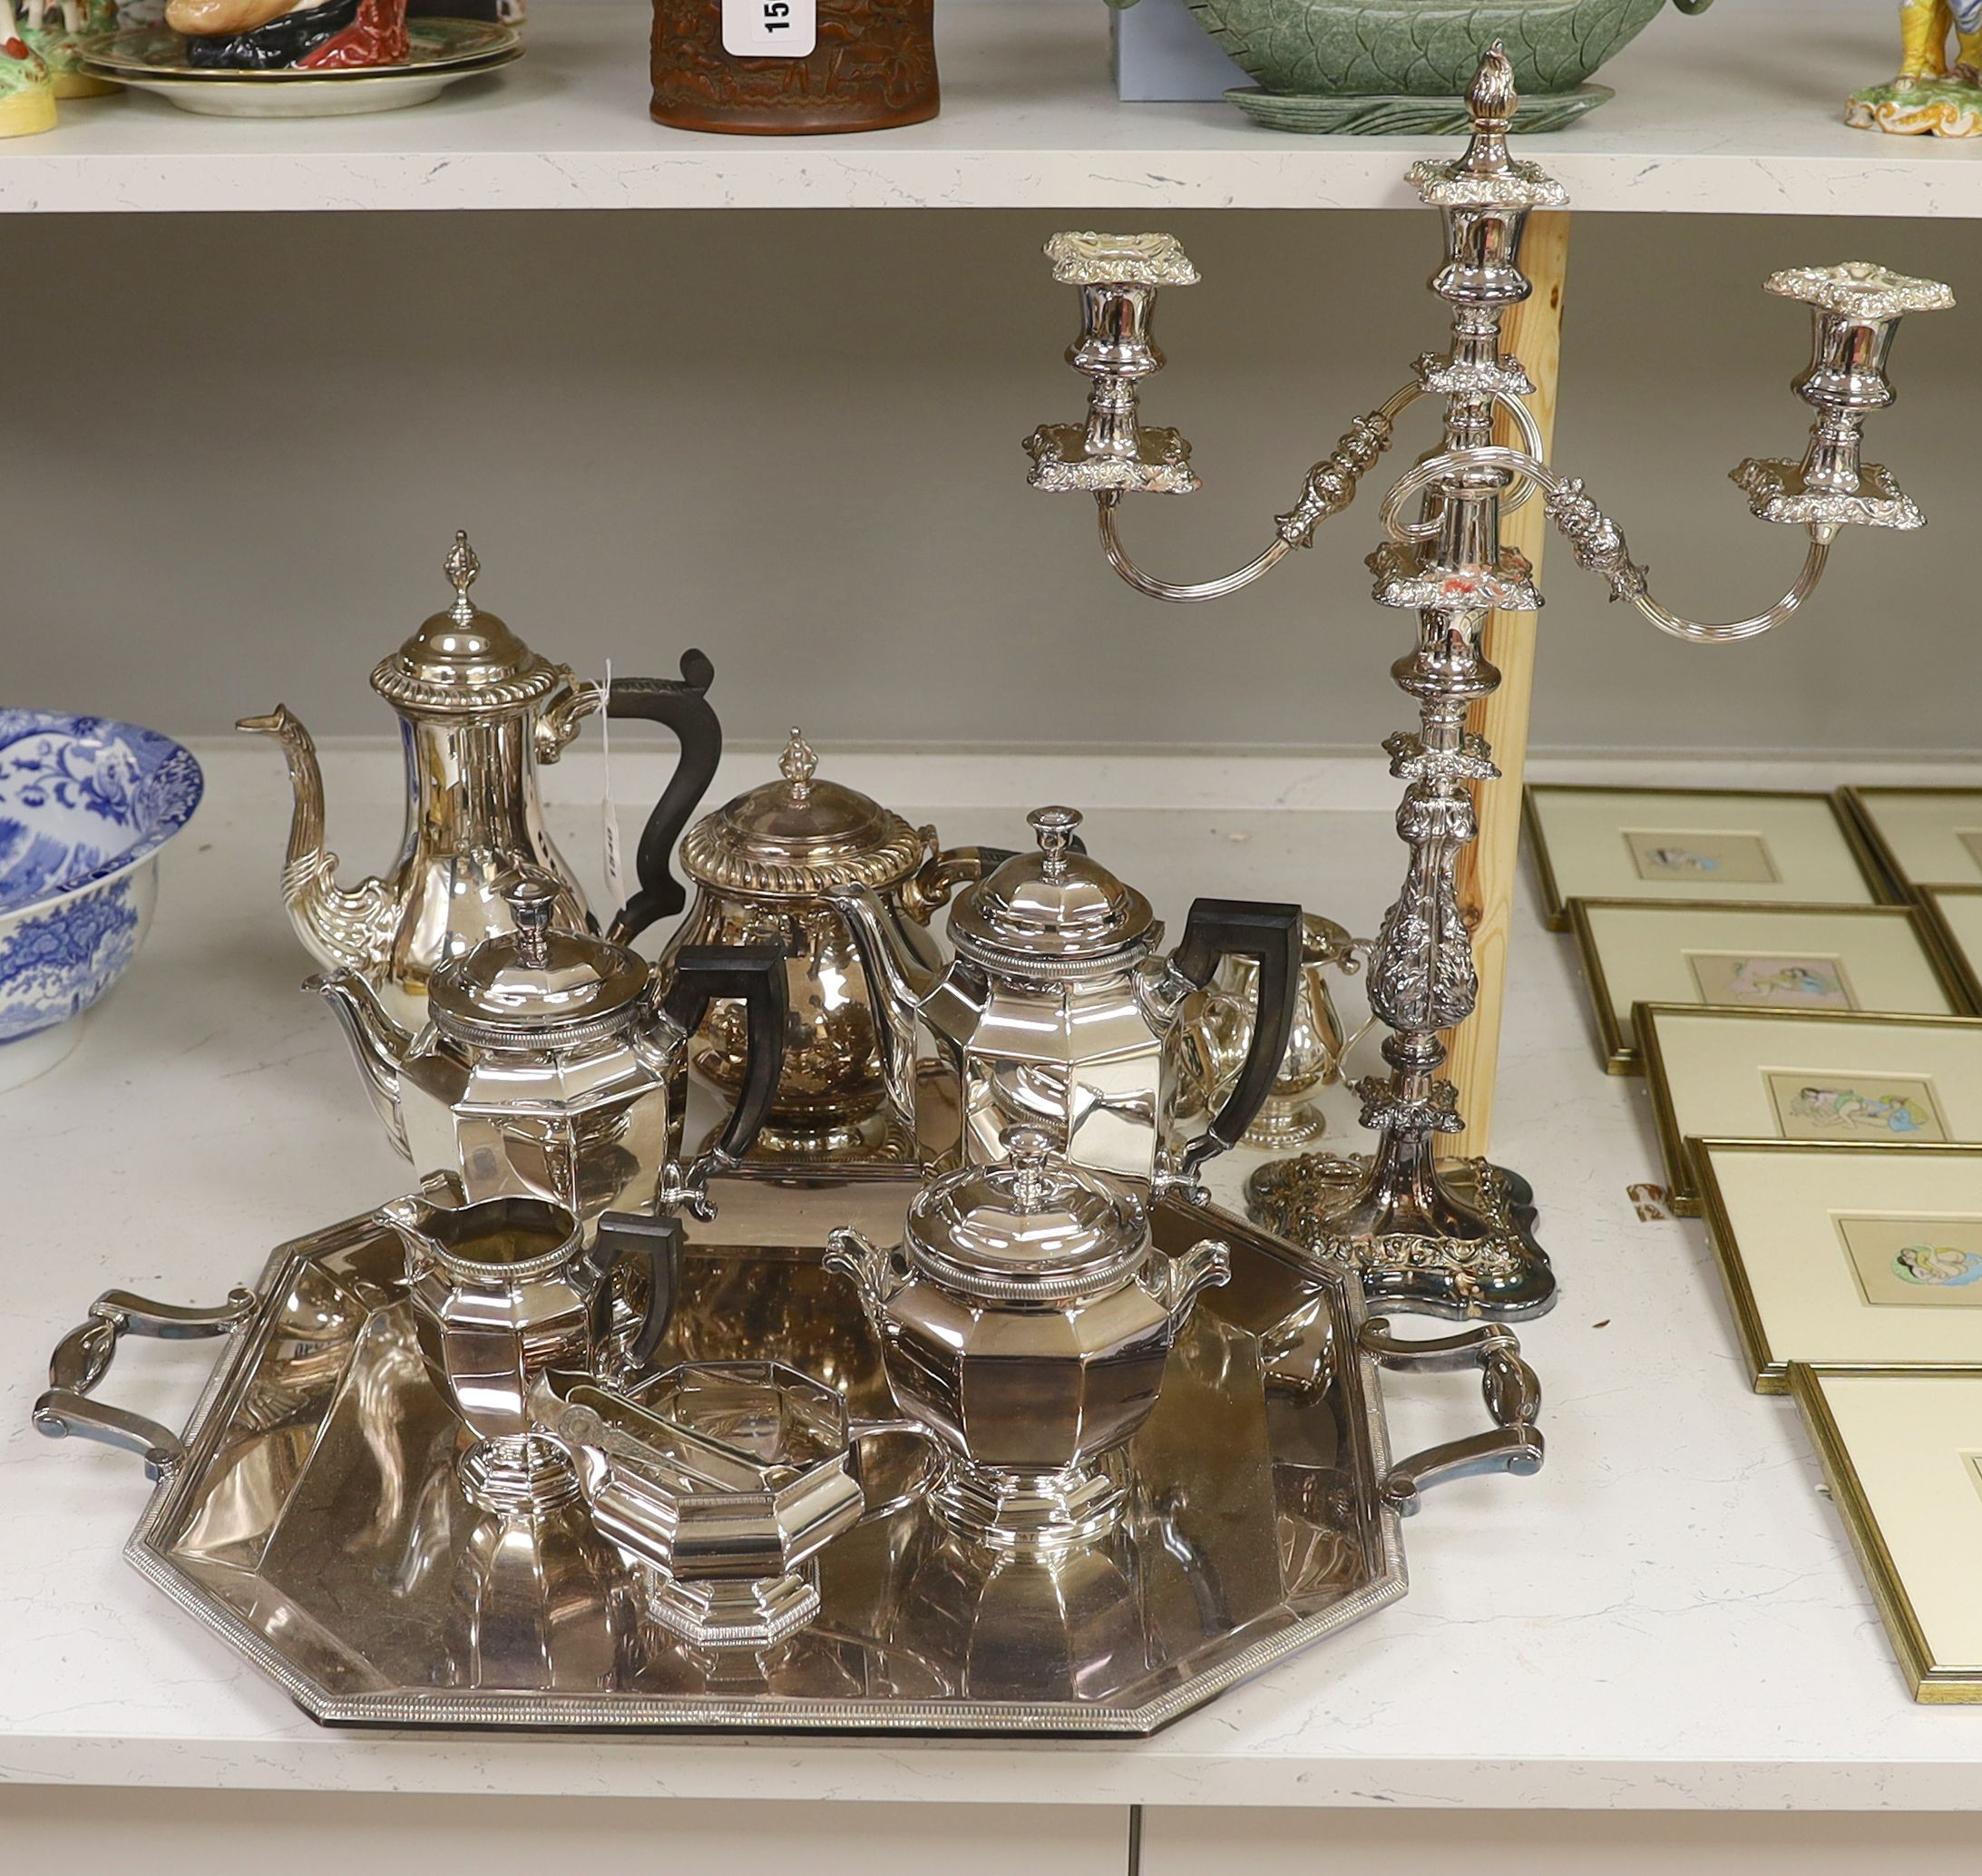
1735,113
1668,1616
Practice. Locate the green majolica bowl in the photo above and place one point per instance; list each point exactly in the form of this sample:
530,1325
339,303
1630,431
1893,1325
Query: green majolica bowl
1376,66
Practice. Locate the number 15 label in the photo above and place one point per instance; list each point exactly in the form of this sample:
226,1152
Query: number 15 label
769,29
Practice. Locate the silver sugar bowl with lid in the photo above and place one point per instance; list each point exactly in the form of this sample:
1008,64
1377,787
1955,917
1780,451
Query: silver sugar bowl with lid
762,866
1025,1320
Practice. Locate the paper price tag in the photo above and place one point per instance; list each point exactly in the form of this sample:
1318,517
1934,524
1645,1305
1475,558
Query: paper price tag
609,808
769,29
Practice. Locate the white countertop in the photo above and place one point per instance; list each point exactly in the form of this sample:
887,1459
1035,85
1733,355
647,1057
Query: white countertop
1738,111
1668,1615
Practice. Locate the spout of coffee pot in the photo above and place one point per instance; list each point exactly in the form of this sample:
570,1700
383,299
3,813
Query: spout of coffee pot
342,928
378,1044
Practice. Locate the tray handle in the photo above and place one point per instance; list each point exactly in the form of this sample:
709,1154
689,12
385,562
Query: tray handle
83,1358
1513,1396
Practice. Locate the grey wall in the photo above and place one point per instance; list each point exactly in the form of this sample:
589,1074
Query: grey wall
232,450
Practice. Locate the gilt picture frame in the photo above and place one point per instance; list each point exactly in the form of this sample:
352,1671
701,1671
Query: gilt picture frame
1918,837
1742,845
1863,1077
1833,1252
1788,957
1900,1447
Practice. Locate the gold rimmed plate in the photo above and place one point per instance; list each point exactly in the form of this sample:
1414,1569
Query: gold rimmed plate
441,52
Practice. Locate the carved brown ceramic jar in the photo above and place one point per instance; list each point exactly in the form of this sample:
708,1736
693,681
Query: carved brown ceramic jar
794,67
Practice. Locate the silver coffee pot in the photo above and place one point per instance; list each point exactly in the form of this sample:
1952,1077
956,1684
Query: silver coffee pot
1058,1011
553,1064
1025,1320
479,711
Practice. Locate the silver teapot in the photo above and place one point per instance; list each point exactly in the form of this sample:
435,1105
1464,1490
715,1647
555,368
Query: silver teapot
1025,1320
478,711
552,1066
763,865
1058,1011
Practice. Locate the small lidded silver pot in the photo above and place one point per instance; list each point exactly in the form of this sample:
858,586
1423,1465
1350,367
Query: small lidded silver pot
1025,1320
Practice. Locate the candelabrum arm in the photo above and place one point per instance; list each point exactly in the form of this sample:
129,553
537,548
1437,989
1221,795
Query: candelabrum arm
1330,488
1596,543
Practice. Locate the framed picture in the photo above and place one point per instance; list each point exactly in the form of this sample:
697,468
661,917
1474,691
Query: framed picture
1839,1253
1746,845
1807,1075
1754,957
1901,1451
1953,917
1920,837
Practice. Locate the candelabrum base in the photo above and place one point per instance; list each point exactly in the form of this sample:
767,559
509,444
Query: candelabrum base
1469,1254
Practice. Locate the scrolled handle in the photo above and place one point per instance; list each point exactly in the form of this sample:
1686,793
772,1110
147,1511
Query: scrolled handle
83,1358
1511,1388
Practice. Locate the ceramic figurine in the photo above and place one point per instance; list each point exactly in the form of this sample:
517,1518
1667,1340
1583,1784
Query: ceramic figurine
1402,67
1934,94
57,29
27,90
268,36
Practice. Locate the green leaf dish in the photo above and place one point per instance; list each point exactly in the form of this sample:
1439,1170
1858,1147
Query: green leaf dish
1401,67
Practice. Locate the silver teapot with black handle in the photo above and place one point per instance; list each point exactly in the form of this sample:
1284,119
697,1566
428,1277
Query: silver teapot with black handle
553,1064
1058,1010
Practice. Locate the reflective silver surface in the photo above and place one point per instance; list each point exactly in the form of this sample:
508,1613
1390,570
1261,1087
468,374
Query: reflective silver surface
763,864
550,1065
314,1521
1056,1011
1458,1244
1026,1320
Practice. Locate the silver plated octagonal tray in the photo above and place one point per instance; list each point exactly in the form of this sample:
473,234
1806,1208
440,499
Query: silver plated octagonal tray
309,1515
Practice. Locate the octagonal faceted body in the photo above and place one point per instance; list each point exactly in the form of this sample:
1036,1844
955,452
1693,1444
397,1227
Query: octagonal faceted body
587,1127
1083,1057
1027,1390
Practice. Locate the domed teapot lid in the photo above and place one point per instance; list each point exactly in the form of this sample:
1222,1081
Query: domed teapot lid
1036,1230
464,659
1053,912
533,984
799,837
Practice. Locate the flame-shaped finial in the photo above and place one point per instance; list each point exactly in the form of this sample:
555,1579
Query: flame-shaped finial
797,764
1492,99
461,566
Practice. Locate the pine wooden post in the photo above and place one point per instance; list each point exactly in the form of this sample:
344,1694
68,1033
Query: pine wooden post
1488,867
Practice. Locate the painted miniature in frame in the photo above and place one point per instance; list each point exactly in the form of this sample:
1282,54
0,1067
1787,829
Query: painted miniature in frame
1920,838
1746,844
1800,957
1861,1078
1902,1452
1835,1252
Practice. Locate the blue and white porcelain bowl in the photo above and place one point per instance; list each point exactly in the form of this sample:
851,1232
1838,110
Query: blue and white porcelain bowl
85,805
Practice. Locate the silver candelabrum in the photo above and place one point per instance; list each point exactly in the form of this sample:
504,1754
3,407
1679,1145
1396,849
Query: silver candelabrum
1455,1237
